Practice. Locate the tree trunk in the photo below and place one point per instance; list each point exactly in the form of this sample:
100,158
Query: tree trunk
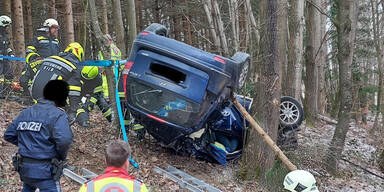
19,34
139,15
234,19
70,33
187,26
156,11
258,157
52,9
220,26
295,51
282,40
28,11
322,58
131,17
118,22
310,102
379,56
211,25
346,25
104,17
104,47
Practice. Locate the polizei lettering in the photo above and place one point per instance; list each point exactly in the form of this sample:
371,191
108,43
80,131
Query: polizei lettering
29,126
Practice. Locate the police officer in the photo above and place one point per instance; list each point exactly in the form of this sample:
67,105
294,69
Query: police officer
65,67
6,70
116,177
43,136
92,89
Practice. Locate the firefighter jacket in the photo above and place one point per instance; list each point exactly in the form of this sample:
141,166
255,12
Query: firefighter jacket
44,46
114,179
5,50
5,43
63,67
93,89
41,132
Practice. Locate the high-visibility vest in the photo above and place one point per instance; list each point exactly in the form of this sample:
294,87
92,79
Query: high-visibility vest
114,179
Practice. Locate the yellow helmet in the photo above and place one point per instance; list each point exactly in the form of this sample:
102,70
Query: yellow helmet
89,72
76,49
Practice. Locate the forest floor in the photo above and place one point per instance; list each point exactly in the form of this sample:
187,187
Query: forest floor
89,144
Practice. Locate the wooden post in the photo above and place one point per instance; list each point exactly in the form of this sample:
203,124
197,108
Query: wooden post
265,136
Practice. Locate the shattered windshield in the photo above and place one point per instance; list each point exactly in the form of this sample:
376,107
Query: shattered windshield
164,104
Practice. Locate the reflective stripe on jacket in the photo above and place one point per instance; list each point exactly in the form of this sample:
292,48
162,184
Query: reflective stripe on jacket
114,179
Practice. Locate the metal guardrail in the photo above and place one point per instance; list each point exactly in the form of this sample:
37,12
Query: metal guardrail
185,180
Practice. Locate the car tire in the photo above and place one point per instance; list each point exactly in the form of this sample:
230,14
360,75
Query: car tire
291,113
158,29
243,69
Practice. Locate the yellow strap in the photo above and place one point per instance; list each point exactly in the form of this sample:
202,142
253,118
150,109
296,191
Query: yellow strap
93,100
64,60
79,111
121,95
98,89
41,38
74,88
30,55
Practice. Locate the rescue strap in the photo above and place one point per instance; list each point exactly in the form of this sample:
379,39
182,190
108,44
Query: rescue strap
12,58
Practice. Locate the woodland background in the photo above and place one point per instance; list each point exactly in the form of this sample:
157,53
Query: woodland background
328,54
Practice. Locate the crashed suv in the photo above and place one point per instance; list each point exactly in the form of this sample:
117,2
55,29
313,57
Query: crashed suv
182,96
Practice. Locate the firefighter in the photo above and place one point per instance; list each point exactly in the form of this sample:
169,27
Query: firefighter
43,136
45,44
116,177
62,67
6,70
92,89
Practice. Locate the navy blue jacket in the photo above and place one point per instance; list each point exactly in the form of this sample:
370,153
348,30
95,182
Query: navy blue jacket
41,132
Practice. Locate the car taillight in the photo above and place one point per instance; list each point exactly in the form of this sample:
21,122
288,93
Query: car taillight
216,58
127,67
156,118
144,33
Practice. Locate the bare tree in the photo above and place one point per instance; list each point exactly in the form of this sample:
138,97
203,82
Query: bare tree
119,26
345,26
234,18
70,33
208,11
103,45
52,9
131,17
258,156
283,38
310,101
104,17
28,17
19,26
322,58
295,50
220,27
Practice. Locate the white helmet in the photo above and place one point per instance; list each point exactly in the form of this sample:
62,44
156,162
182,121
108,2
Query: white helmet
300,181
51,23
5,21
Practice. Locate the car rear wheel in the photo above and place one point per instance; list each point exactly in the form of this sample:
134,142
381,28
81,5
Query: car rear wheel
291,113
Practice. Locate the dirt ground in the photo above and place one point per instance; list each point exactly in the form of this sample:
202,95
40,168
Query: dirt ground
89,144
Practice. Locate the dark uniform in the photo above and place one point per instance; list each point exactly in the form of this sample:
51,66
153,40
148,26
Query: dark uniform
6,70
42,133
40,48
63,67
93,90
43,45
